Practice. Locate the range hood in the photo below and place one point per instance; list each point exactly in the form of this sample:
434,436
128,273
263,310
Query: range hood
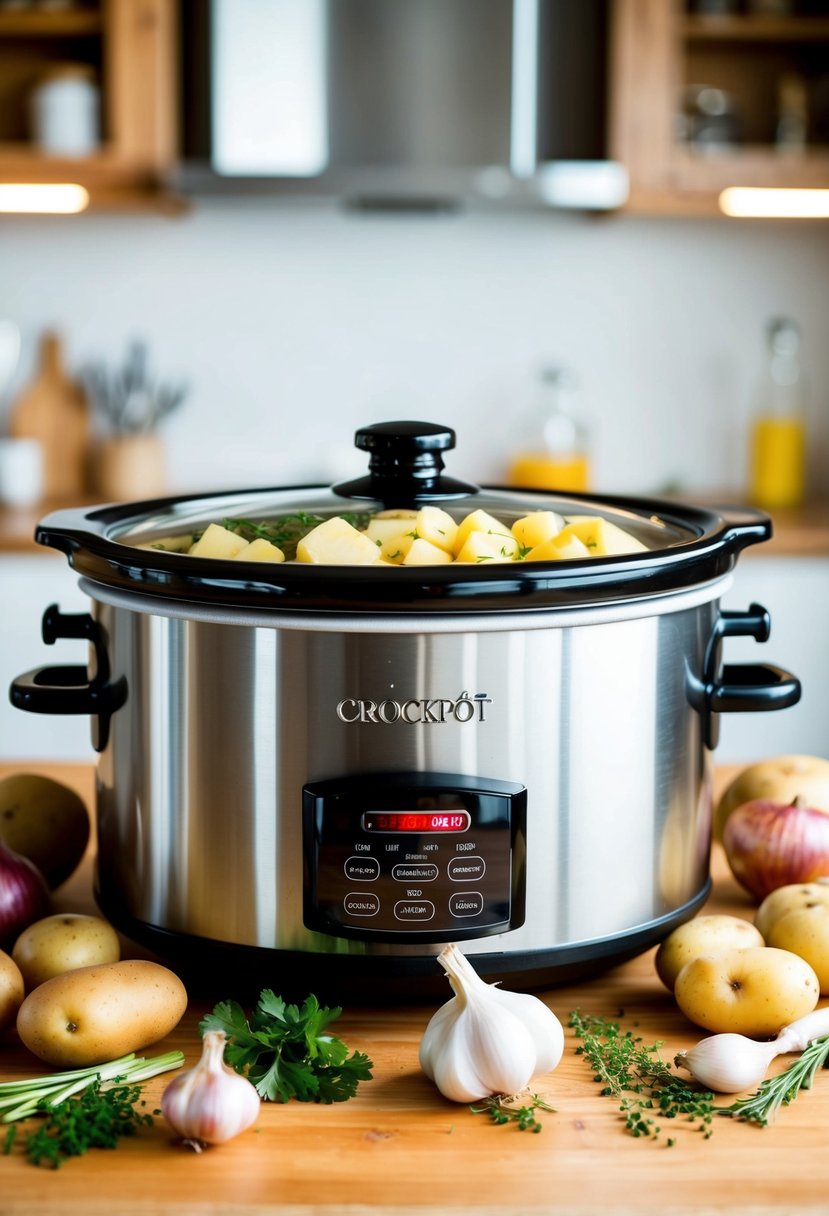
400,103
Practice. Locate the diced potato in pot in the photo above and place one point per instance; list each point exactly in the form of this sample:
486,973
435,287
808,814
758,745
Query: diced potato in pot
558,549
486,547
436,526
479,521
602,538
424,553
535,528
392,537
217,541
336,543
260,550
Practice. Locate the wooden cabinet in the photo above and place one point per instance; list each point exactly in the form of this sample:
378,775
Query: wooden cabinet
769,77
130,48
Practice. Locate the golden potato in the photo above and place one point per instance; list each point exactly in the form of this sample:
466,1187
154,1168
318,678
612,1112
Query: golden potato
97,1014
11,991
755,992
780,779
45,821
61,943
702,935
805,931
787,899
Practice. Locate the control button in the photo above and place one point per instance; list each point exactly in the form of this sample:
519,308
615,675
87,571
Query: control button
362,869
361,903
414,909
466,903
414,873
467,868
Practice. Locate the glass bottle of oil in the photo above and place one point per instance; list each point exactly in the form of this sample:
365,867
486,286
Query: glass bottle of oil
553,451
778,432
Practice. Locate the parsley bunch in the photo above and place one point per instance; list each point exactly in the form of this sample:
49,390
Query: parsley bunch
285,1050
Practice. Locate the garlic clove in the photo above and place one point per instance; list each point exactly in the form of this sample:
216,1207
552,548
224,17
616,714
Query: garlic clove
210,1103
728,1063
543,1025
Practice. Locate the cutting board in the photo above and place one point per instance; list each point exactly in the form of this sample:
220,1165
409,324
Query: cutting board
53,410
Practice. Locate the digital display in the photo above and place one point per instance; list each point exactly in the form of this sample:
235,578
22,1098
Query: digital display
416,821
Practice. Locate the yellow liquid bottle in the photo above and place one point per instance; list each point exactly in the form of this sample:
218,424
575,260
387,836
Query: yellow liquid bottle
552,453
778,433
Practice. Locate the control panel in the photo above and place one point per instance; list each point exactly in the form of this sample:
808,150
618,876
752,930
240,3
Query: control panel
414,857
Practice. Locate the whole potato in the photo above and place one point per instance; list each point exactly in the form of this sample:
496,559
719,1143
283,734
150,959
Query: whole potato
61,943
44,821
97,1014
702,935
787,899
805,931
780,779
11,991
754,992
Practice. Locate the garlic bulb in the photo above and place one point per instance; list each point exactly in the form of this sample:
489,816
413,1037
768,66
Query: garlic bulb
211,1103
732,1063
486,1041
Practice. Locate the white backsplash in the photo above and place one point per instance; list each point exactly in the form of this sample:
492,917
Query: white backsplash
297,323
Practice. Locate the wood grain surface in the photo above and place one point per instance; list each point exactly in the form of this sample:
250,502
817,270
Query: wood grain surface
399,1147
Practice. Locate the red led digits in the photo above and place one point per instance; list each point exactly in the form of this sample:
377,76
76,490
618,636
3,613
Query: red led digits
416,821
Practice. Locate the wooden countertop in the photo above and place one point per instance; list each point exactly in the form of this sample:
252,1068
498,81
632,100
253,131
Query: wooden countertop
399,1148
798,532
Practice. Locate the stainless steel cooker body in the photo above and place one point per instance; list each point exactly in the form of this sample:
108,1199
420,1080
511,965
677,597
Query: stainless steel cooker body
332,770
200,786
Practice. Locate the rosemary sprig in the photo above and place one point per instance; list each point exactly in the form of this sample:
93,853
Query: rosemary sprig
634,1072
503,1109
774,1092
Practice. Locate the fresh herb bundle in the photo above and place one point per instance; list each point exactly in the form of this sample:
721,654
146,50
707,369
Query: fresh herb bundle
286,1051
95,1118
502,1109
635,1073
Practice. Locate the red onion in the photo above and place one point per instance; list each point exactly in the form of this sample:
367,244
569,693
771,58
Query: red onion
769,845
24,897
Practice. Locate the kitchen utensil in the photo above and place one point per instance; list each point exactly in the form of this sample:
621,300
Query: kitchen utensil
329,770
9,353
52,410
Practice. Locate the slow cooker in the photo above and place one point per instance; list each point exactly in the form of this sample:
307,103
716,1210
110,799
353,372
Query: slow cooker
316,775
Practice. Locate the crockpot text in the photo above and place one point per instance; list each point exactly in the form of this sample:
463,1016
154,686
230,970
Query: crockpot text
423,712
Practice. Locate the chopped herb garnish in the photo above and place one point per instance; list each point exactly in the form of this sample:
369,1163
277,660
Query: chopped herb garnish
502,1109
286,531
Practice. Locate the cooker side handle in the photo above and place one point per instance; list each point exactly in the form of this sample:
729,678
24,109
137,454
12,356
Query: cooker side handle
72,689
742,687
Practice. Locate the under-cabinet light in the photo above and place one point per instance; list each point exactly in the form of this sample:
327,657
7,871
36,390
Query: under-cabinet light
42,198
755,202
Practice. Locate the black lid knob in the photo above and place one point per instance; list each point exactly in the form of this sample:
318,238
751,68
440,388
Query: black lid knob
405,465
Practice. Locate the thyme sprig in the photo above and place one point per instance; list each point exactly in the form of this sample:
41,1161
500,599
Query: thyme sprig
634,1072
502,1109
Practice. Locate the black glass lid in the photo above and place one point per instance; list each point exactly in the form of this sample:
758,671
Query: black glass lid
144,546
